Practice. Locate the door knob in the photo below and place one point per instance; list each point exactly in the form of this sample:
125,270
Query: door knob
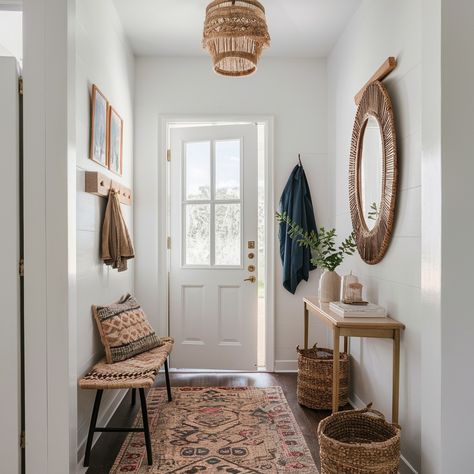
251,279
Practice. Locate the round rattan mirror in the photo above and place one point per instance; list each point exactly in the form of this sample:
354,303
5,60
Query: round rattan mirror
373,172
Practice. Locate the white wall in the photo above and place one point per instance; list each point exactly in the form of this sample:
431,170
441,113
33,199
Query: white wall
105,59
382,28
295,93
457,168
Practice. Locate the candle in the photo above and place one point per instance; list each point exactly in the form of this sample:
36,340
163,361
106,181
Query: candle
354,293
346,281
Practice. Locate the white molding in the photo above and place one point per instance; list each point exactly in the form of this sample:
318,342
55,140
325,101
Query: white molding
283,365
405,466
10,282
163,220
356,402
50,235
269,246
103,420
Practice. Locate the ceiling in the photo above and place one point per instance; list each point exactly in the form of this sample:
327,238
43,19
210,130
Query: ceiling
299,28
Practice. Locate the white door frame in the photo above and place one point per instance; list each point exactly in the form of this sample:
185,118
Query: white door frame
164,122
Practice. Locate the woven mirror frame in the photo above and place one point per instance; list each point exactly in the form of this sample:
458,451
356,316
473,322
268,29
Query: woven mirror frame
373,244
235,34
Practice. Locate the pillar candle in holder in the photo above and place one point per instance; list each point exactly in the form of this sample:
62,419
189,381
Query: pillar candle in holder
354,293
346,281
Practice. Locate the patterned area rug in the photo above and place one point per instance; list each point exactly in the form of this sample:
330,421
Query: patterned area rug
236,430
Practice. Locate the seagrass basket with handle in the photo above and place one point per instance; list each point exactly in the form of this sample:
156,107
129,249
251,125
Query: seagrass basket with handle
359,442
315,371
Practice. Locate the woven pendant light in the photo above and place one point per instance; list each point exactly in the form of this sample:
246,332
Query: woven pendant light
235,33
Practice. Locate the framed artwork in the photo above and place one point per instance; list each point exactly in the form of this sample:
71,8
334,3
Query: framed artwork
98,145
115,142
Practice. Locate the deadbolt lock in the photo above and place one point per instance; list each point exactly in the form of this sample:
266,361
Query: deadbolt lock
251,268
251,255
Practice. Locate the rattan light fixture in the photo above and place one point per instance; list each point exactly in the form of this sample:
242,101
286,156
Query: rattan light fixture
235,33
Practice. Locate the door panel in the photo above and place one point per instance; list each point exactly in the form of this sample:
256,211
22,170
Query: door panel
9,277
213,216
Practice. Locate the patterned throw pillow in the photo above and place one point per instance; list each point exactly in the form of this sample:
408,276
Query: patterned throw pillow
124,329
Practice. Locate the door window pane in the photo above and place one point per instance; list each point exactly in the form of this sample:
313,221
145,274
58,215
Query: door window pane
197,238
227,234
227,169
198,171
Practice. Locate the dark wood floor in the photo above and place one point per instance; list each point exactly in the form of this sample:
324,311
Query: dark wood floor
107,447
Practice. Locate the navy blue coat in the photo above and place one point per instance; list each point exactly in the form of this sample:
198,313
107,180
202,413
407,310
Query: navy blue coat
296,203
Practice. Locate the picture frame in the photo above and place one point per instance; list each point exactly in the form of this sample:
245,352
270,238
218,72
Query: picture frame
99,127
115,142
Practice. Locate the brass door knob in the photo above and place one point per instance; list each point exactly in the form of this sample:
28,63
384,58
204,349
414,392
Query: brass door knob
251,279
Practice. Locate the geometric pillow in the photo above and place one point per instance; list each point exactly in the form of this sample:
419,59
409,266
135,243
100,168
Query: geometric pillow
124,329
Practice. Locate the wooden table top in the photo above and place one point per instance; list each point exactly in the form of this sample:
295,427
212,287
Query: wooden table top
314,304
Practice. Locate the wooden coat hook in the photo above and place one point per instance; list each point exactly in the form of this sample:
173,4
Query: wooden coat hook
100,185
382,72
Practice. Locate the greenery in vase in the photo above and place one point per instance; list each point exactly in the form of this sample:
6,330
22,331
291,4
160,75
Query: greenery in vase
322,244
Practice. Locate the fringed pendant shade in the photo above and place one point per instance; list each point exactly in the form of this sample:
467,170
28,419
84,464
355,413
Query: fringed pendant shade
235,33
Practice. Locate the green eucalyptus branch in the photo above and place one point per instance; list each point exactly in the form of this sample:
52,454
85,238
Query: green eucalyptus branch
374,212
322,244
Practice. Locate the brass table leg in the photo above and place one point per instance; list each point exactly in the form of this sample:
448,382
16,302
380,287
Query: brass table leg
306,325
395,375
346,344
335,373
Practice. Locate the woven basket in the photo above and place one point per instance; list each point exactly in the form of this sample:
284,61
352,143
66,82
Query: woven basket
359,442
314,387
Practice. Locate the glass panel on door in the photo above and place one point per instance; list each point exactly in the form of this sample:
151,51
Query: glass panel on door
197,158
227,166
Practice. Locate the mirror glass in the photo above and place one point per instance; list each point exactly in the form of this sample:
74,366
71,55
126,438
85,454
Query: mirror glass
371,172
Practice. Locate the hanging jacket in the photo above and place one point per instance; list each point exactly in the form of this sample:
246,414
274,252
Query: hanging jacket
296,203
116,245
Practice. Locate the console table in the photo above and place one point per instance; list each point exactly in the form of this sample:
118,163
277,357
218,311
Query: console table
386,328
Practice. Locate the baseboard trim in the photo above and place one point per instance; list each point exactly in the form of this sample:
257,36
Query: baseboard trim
405,466
103,420
283,365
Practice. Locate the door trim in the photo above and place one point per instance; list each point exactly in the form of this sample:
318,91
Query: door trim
164,122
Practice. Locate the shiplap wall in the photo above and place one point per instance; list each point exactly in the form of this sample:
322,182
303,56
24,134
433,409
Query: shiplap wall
382,28
103,58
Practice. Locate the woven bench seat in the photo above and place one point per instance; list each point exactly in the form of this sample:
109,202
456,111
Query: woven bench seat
137,372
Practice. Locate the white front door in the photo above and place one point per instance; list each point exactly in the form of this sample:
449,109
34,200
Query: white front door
213,261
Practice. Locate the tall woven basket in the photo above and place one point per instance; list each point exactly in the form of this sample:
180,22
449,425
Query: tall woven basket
315,370
359,442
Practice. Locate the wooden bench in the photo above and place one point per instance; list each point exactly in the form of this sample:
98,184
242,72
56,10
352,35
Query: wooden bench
138,372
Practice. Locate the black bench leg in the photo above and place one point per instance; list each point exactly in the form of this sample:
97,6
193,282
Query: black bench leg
146,427
168,385
95,414
134,396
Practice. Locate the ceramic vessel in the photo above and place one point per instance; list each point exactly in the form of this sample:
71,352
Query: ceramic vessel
329,286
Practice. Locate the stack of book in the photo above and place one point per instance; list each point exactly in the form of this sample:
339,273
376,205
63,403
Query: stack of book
369,310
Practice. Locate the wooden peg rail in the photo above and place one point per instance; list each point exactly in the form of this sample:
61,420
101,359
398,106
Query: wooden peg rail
382,72
100,185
